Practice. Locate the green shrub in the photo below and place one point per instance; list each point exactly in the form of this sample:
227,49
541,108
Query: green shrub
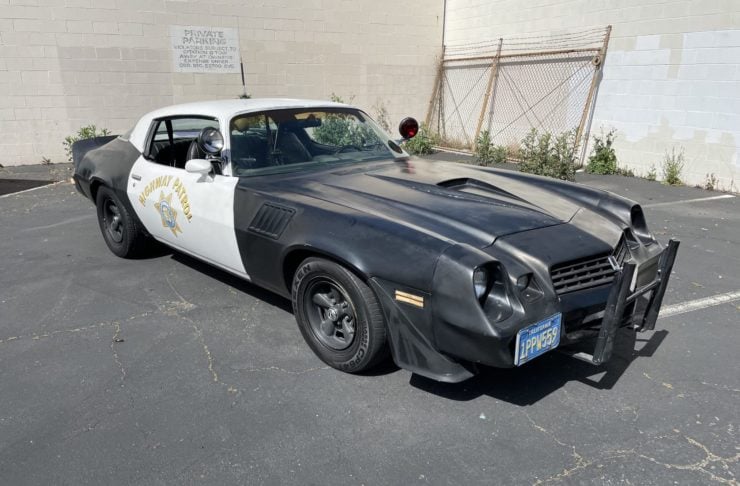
547,155
486,153
340,129
672,167
603,159
423,143
652,173
90,131
499,154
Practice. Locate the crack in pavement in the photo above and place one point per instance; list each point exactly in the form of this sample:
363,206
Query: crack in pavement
209,357
176,310
699,466
47,334
721,387
582,463
283,370
116,339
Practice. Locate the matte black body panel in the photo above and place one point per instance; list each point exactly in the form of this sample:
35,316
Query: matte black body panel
109,164
422,227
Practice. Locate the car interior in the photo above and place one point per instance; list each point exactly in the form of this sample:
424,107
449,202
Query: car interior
260,141
291,137
175,141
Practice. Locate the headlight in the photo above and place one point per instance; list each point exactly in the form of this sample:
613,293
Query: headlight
480,282
489,283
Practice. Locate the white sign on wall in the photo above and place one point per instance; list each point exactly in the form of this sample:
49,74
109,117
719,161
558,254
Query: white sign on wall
205,49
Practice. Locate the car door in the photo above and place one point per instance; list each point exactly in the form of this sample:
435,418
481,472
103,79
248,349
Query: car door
191,212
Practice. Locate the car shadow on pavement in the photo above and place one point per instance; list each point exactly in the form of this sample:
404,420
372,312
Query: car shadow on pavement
233,281
538,379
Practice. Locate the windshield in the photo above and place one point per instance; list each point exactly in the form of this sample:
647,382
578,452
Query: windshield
299,139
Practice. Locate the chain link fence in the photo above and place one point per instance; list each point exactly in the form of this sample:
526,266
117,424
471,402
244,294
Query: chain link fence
512,85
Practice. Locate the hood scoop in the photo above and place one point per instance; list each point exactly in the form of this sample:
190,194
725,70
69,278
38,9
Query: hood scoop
479,188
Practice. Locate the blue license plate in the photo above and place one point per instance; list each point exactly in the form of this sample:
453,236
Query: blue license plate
537,339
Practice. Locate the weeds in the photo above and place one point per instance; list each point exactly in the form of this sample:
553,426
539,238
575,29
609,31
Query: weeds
423,143
486,153
545,154
89,131
381,116
603,159
711,182
652,173
672,166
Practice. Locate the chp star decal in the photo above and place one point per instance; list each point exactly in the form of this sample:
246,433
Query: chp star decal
164,205
168,213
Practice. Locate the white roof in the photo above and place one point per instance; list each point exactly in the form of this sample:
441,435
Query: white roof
223,110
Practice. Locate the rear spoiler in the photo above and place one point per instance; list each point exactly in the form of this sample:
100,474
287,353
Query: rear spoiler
82,147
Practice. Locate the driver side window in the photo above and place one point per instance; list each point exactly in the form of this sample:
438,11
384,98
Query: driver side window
174,139
252,137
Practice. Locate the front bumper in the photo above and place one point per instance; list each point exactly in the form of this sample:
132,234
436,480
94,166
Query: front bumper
446,339
630,285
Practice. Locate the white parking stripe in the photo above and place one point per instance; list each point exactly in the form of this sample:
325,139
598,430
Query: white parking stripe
692,305
684,201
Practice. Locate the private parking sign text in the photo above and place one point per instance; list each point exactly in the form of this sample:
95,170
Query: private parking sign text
205,49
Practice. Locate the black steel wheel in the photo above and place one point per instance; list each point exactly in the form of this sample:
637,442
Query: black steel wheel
112,221
121,230
339,316
330,313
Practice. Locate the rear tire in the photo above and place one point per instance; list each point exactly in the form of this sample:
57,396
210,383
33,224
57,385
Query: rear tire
121,230
339,316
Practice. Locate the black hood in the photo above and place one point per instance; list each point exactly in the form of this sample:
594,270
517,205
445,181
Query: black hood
455,202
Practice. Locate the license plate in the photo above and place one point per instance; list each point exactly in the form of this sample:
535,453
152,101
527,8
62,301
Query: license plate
537,339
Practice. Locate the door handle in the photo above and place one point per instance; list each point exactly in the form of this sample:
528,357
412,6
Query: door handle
136,177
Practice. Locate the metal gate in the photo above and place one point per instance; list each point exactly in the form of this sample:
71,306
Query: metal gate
512,85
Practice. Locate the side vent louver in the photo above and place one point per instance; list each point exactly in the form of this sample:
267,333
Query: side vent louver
271,220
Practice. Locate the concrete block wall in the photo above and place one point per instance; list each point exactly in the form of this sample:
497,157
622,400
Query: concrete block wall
69,63
671,77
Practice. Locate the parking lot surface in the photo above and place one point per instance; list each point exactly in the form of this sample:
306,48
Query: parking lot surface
165,370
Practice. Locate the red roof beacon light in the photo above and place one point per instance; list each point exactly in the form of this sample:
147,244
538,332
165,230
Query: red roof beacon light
408,128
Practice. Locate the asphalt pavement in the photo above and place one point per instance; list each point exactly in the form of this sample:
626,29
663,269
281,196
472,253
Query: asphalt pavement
166,371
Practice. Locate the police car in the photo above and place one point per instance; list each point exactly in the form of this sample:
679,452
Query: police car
441,266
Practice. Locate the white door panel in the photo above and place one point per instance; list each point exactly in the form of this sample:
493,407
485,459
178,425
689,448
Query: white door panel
191,212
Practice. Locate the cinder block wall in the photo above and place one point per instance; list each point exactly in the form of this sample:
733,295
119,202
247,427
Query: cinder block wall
68,63
671,76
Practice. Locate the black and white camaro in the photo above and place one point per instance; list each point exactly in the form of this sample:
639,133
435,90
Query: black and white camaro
443,266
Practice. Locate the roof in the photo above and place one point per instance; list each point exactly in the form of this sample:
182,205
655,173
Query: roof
223,110
227,108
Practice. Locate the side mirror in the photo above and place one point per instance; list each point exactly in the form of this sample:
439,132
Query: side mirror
408,128
198,166
211,141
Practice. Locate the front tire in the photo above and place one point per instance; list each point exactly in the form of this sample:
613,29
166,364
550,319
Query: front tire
339,316
121,230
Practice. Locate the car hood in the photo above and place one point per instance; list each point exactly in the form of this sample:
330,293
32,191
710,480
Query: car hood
461,203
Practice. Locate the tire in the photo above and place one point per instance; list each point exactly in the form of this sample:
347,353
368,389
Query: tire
351,337
121,230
